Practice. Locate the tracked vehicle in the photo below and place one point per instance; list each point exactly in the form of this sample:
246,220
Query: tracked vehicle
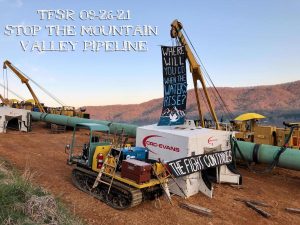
96,153
104,170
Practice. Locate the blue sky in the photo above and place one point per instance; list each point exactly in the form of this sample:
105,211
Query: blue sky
241,43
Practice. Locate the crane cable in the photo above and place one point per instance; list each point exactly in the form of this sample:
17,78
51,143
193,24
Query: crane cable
177,42
206,103
5,86
222,103
4,83
218,98
42,88
216,93
20,97
47,92
205,77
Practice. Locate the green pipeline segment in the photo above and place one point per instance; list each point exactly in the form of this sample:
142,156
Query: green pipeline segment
289,159
129,129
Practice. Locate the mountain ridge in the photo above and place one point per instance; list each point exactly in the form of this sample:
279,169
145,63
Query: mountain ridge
271,100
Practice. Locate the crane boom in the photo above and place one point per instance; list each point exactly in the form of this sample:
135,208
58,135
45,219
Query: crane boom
195,69
25,81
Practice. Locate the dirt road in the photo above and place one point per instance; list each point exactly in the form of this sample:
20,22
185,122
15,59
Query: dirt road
43,153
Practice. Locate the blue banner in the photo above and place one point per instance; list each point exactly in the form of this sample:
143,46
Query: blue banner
175,86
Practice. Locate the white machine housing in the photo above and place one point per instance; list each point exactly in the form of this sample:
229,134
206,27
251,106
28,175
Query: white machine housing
23,118
169,143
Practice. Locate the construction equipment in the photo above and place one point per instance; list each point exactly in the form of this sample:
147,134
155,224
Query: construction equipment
165,143
273,155
81,113
282,134
109,167
249,116
9,102
4,100
14,103
163,174
111,162
195,69
31,105
121,182
25,81
247,129
70,111
63,110
99,167
173,143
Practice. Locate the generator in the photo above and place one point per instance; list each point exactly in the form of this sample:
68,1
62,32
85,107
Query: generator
171,143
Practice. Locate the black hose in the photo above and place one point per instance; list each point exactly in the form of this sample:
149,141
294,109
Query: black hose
256,149
275,141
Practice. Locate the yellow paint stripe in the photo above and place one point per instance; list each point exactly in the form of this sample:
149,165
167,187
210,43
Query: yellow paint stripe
151,183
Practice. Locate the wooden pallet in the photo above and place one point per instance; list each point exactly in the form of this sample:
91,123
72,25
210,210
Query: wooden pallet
55,128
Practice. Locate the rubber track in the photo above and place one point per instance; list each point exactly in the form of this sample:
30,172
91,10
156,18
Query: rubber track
136,195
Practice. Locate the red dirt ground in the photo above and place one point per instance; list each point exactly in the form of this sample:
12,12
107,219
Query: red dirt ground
43,153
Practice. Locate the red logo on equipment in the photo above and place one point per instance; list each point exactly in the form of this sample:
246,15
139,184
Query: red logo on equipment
148,143
211,140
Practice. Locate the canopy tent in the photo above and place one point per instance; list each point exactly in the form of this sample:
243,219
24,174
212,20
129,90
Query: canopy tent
249,116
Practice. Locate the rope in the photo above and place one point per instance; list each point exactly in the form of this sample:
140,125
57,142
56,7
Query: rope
220,99
5,86
20,97
47,92
4,83
205,102
215,96
177,43
222,103
157,203
42,88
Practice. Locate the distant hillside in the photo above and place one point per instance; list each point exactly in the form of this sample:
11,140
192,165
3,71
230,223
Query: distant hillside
278,102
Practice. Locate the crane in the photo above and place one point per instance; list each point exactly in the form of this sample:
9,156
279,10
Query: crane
64,110
25,81
195,69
